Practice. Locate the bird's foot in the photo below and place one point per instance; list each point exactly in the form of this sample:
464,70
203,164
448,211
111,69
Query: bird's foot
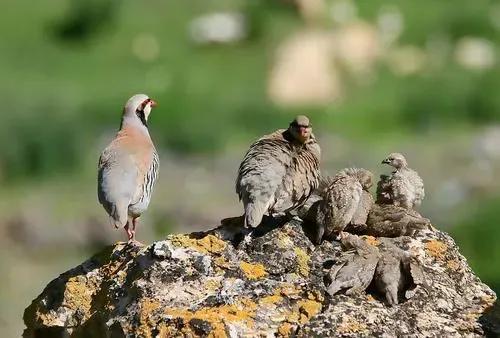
134,242
130,233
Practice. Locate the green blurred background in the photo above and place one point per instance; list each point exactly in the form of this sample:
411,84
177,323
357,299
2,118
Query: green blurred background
374,76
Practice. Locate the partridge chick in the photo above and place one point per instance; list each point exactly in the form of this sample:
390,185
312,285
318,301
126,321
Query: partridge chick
406,186
342,202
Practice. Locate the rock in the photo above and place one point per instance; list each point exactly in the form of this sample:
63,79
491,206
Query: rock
200,284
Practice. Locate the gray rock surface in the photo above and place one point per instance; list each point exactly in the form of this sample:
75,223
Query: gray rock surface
199,284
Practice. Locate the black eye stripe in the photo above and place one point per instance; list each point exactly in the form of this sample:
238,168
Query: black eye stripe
294,124
143,105
140,114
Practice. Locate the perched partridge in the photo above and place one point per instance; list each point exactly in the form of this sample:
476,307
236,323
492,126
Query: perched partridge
279,172
128,167
388,220
406,188
354,270
398,273
345,199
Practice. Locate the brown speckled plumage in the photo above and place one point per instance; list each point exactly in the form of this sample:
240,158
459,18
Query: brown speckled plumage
277,174
343,201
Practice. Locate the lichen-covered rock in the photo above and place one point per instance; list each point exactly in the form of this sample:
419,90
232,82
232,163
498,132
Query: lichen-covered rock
204,284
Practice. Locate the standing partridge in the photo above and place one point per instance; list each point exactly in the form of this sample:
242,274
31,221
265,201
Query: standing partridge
128,167
279,172
406,188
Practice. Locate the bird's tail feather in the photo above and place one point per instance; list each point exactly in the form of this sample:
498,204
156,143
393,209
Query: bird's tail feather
117,217
253,214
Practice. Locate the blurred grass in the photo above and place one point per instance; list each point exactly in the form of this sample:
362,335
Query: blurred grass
473,234
209,96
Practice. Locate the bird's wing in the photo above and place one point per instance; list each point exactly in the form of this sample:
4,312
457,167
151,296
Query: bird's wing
344,197
418,183
117,176
301,179
365,204
263,169
145,188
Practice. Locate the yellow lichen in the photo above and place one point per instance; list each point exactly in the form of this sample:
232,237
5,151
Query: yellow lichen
253,271
243,312
146,323
350,326
285,329
284,241
212,284
166,331
288,290
315,295
303,260
78,295
371,240
308,308
206,245
488,300
453,265
273,299
436,248
294,316
221,262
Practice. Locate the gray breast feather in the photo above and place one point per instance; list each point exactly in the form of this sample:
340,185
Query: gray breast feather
407,187
116,182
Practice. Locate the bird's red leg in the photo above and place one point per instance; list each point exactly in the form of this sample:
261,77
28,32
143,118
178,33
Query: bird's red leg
130,231
135,221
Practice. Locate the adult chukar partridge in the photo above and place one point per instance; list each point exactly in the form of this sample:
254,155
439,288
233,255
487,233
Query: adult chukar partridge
279,172
406,188
128,167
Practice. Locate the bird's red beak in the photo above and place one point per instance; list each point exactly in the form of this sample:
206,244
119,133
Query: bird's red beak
153,103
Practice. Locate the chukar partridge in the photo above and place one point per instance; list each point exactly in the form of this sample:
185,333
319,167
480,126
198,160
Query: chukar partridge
128,167
343,201
279,172
406,188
